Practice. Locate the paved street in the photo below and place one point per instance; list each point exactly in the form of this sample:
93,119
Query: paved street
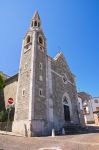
69,142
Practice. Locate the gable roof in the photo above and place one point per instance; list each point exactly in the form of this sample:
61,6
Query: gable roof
60,58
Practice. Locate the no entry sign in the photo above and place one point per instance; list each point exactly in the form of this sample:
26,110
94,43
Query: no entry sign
10,101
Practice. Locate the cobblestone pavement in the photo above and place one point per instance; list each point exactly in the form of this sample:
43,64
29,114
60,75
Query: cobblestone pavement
69,142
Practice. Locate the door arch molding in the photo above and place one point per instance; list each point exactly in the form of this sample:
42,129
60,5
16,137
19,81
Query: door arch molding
66,101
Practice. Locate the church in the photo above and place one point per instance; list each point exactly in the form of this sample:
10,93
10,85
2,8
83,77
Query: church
44,91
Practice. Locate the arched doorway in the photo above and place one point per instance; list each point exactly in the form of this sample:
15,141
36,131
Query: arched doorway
66,107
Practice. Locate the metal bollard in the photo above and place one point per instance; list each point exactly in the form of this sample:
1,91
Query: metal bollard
53,132
63,131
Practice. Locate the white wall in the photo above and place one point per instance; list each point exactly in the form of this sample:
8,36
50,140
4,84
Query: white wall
94,104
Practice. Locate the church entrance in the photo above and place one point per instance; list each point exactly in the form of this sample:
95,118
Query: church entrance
66,113
66,108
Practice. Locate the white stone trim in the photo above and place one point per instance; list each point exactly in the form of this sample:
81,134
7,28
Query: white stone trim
56,73
69,103
68,81
49,93
32,78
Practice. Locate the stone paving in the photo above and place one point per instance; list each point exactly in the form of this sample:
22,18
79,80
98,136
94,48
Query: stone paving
69,142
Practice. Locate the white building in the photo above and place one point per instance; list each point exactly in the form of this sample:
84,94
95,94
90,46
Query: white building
89,106
95,103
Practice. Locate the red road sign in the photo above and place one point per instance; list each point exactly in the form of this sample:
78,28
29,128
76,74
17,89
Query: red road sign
10,101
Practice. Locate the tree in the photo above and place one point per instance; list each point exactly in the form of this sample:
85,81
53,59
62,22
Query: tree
4,114
1,83
2,103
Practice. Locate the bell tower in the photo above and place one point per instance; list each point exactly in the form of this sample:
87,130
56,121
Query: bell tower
30,107
36,22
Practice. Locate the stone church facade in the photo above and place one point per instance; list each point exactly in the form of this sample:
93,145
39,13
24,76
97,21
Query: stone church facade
46,95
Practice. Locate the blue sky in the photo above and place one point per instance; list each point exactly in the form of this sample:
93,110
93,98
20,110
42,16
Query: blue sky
70,26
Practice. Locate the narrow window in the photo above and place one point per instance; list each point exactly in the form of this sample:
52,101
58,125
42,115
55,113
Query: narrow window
23,92
35,24
28,39
41,40
38,24
32,24
40,92
42,49
41,66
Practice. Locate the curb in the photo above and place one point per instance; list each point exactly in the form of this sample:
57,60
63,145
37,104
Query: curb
10,133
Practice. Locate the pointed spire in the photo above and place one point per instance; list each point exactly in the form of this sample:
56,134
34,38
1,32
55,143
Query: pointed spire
36,16
36,22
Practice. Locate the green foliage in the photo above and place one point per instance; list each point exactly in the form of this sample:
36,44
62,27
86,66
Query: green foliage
4,114
1,82
2,103
11,114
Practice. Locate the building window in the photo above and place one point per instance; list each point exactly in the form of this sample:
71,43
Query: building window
38,24
28,39
32,24
40,78
86,110
40,92
96,100
41,66
97,108
35,24
23,92
41,48
41,41
64,79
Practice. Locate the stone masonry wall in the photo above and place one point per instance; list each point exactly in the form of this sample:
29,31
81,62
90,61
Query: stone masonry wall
22,106
59,68
10,90
40,101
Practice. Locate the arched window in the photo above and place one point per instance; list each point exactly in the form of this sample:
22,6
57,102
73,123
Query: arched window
35,24
28,39
38,24
41,40
32,24
65,100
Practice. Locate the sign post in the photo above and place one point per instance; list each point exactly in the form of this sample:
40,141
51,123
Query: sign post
10,102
